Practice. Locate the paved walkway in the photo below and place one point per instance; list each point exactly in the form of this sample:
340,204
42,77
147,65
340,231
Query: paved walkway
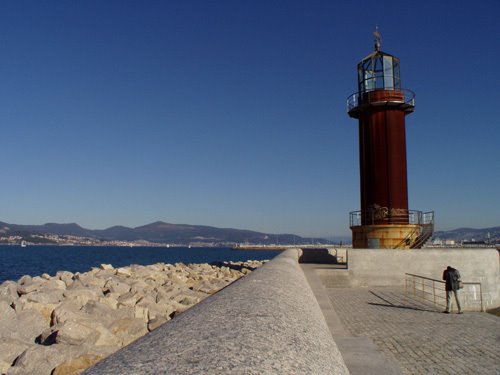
416,336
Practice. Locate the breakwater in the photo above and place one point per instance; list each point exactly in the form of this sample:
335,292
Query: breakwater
268,322
63,324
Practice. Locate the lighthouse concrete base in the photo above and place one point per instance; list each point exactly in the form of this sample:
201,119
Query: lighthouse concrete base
386,236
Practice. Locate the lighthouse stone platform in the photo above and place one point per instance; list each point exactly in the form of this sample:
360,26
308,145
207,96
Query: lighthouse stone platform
296,317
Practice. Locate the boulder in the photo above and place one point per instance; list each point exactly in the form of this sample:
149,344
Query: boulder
128,329
83,295
65,276
103,313
46,296
210,286
141,312
110,300
10,349
128,299
25,280
4,367
6,311
168,293
115,286
106,337
53,283
26,327
8,291
124,272
88,279
76,365
106,267
68,310
45,309
156,322
105,274
41,360
29,288
70,333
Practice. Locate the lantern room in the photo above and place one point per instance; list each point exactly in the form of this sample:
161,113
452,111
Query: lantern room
378,71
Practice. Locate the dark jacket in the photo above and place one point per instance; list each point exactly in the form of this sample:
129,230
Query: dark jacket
451,276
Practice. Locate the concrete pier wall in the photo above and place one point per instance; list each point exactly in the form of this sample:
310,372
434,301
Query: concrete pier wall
369,267
268,322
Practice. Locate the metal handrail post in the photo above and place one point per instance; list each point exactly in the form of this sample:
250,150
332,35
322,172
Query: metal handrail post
481,298
434,290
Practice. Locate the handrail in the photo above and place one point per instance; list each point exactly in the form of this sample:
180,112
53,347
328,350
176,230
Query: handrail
365,98
383,215
417,281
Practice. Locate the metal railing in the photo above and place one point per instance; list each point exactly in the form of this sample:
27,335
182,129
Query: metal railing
384,215
365,98
432,290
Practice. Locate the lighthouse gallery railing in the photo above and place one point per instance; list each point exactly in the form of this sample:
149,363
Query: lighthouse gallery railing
365,98
371,217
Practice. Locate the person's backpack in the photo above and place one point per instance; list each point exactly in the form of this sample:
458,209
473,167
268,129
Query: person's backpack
457,279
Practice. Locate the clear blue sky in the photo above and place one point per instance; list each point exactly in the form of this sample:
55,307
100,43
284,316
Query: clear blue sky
233,114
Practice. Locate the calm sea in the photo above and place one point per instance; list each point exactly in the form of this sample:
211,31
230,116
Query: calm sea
16,261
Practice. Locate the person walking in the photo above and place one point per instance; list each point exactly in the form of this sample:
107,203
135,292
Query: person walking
452,277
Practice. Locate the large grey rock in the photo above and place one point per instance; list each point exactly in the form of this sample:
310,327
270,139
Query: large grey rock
6,311
10,349
26,326
65,276
128,329
83,295
53,283
116,286
156,322
45,309
68,310
88,279
45,296
110,299
128,299
25,280
76,365
70,333
41,360
8,291
104,314
29,287
106,337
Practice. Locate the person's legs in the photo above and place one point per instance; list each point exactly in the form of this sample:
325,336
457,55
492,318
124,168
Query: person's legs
459,305
448,300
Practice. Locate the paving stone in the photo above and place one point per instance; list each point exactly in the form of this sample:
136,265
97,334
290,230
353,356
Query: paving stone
417,335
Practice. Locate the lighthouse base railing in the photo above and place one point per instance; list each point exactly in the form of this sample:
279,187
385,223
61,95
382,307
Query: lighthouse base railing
391,229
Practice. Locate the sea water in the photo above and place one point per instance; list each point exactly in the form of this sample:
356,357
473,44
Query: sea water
16,261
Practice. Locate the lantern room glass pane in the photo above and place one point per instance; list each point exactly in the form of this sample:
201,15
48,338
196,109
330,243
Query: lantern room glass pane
397,82
369,84
388,73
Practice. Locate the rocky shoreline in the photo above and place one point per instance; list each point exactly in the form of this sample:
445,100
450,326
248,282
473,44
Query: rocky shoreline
65,323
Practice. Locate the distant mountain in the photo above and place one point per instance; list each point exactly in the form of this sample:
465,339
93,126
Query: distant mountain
159,231
469,234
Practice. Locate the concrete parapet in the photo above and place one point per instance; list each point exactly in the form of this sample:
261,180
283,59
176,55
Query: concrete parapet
387,267
268,322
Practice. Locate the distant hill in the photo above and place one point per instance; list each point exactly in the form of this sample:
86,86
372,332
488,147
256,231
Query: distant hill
159,232
469,234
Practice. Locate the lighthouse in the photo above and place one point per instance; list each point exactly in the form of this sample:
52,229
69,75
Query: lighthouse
381,106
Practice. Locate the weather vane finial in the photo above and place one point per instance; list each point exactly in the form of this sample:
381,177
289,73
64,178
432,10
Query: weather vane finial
378,39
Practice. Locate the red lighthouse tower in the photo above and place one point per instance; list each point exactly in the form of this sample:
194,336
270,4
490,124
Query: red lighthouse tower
381,106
